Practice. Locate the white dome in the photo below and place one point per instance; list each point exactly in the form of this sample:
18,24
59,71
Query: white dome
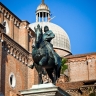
61,39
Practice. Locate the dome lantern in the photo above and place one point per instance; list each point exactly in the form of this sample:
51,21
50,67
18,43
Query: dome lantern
42,13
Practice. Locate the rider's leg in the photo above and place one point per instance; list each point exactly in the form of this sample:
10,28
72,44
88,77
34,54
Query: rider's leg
56,61
43,60
54,55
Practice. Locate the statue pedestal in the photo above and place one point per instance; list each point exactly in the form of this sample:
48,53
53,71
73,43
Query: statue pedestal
44,90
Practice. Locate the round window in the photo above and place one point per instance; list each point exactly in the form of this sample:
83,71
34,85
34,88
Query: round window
12,80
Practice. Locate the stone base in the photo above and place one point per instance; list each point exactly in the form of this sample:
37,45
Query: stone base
44,90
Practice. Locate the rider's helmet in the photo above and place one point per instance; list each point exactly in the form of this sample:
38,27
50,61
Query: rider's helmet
38,26
46,28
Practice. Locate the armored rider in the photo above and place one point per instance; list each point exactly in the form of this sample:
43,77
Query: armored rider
47,37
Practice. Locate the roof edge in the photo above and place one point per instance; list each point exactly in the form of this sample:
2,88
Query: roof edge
80,55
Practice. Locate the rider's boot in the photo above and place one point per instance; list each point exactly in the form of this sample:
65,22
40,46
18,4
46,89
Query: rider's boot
56,61
43,60
55,58
40,63
49,46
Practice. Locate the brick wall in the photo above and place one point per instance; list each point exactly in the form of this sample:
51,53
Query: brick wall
68,85
0,63
1,17
82,67
20,71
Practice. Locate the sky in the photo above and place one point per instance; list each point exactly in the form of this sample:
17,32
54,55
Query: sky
76,17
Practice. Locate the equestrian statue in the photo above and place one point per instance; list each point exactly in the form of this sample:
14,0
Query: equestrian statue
44,55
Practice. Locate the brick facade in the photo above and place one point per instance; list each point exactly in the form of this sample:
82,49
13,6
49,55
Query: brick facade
15,48
82,67
0,63
13,62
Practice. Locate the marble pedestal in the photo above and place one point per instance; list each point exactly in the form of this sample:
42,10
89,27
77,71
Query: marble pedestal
44,90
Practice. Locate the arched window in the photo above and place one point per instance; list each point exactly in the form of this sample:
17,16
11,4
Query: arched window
5,23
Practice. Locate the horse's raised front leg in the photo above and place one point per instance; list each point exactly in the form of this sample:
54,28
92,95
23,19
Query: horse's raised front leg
31,66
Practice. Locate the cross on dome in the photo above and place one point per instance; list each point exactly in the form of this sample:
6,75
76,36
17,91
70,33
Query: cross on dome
42,1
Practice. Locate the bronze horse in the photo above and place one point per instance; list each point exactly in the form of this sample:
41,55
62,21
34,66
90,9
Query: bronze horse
40,52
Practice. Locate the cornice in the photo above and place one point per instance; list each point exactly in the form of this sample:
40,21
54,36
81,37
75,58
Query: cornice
80,55
3,6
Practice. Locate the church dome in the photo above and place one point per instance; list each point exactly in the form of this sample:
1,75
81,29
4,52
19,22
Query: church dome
61,39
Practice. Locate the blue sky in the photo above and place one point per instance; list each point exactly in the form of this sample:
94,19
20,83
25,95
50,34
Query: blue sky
76,17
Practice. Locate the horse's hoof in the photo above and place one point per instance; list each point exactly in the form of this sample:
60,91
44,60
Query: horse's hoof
54,83
31,66
33,46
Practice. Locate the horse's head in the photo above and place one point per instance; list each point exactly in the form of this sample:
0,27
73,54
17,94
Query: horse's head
39,34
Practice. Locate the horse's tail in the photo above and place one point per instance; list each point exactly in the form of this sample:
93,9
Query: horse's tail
58,67
59,59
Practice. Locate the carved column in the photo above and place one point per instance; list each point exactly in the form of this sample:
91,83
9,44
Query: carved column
1,30
42,16
46,17
0,62
20,57
39,16
14,52
8,46
30,44
1,16
11,24
17,54
26,61
11,50
23,59
23,35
